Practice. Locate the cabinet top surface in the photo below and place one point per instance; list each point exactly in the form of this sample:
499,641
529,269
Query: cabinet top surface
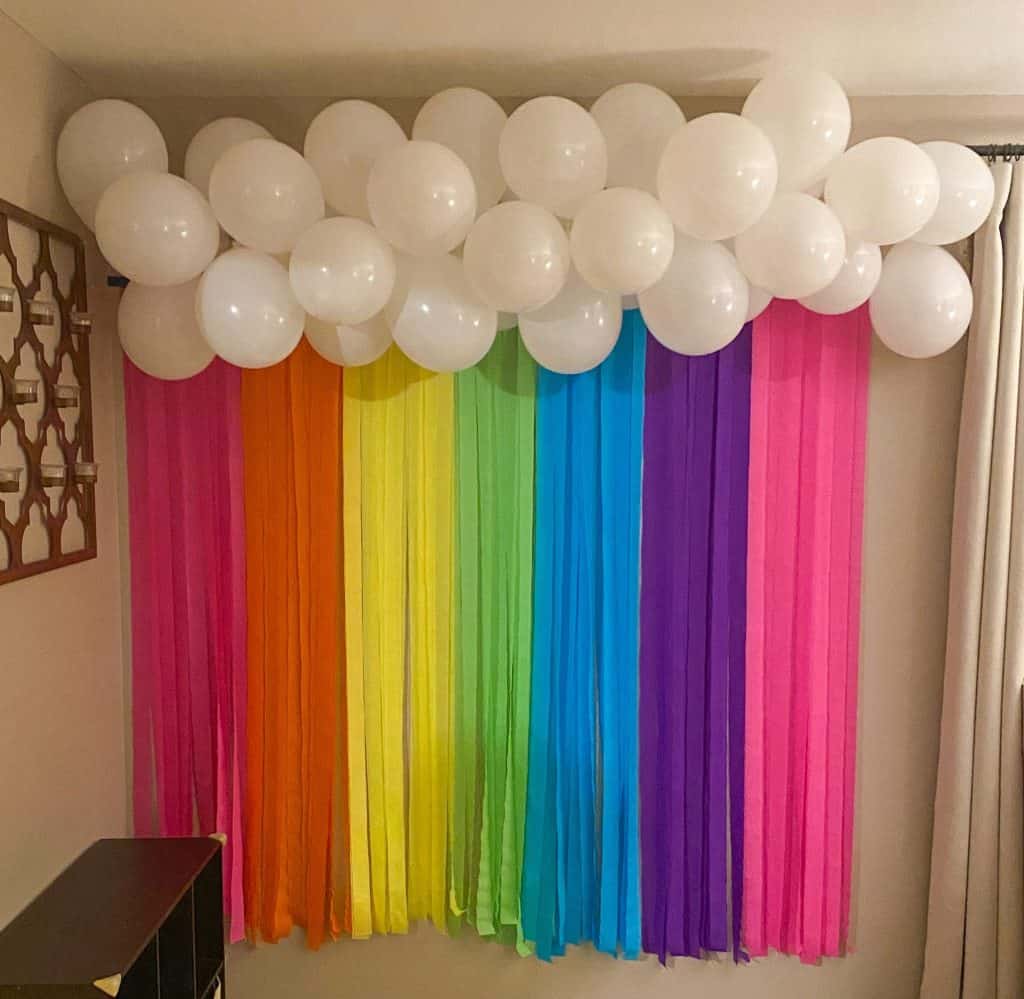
94,920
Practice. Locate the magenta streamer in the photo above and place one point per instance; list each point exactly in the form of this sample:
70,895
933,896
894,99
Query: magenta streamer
692,641
188,611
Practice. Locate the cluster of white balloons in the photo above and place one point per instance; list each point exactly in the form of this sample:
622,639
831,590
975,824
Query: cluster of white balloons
548,218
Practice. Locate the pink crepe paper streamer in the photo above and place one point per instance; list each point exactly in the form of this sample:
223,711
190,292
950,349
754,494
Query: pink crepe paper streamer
806,496
188,611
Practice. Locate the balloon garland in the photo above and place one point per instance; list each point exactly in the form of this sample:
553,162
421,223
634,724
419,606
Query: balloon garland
704,221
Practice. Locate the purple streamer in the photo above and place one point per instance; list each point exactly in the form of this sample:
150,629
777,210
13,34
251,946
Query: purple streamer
692,640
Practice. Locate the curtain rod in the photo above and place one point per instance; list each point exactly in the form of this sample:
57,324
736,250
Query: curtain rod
1005,152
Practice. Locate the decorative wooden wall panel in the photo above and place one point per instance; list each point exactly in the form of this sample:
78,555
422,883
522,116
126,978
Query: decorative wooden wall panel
47,471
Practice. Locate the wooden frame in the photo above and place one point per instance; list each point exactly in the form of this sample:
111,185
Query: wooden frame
71,311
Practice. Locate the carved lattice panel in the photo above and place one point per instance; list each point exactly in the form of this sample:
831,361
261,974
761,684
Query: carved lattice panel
47,509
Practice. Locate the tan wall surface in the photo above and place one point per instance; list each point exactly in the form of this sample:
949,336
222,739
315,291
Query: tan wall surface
62,746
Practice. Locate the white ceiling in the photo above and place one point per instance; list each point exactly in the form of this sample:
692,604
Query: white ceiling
405,48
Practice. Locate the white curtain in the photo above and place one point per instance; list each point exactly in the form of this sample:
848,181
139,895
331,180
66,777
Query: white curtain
975,943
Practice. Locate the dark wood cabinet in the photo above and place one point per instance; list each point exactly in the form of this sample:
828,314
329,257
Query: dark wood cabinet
132,918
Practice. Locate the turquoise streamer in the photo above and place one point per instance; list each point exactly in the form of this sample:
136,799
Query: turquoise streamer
581,867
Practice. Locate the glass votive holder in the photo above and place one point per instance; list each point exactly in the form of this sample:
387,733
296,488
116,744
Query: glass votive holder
42,312
53,475
25,390
10,478
8,296
81,322
86,472
65,396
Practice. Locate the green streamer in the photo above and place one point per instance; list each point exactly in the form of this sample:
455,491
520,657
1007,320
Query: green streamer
494,461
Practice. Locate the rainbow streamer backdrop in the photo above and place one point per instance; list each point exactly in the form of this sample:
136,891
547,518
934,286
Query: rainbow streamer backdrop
564,659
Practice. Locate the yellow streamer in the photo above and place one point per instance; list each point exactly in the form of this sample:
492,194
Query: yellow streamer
398,434
430,465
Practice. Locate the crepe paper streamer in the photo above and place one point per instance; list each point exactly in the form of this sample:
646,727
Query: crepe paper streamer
292,481
188,612
429,515
807,440
693,621
495,412
376,608
583,631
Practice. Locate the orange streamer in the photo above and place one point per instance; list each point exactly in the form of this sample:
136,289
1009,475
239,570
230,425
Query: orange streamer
291,437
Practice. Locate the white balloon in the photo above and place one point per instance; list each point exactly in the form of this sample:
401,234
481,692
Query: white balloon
265,195
159,330
637,121
156,228
99,143
922,305
468,122
966,192
700,305
883,190
806,116
342,271
854,283
422,198
517,256
621,240
211,142
795,249
575,331
342,143
247,311
717,176
351,346
757,301
436,318
552,152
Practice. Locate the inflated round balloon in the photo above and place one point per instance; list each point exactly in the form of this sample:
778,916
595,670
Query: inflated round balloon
247,311
552,152
621,240
342,271
717,176
211,142
883,190
637,121
435,316
342,143
922,305
350,346
468,122
159,330
805,114
422,198
700,305
265,195
757,301
966,191
575,331
99,143
156,228
854,283
795,249
516,257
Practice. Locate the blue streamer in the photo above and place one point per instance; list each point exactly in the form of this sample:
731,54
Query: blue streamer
581,871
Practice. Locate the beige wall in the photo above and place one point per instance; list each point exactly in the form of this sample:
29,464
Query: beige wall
913,420
62,751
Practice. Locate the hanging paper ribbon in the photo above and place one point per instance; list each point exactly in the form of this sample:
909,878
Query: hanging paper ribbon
807,437
292,472
188,611
693,621
584,620
495,406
